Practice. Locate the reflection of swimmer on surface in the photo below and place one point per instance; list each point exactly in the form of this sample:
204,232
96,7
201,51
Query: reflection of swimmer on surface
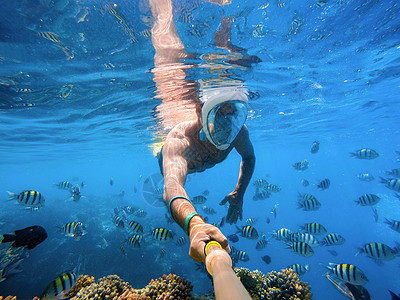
202,131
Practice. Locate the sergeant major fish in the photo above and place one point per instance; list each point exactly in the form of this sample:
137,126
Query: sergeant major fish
301,248
378,251
248,232
299,269
28,198
162,234
365,153
394,224
391,183
60,286
314,228
365,177
282,234
394,172
324,184
200,199
333,239
302,165
74,229
368,199
63,185
135,227
348,273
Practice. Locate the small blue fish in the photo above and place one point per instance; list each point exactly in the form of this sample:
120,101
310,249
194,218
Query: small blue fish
314,147
233,238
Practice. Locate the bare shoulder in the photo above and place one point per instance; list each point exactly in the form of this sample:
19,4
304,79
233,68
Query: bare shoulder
243,143
179,137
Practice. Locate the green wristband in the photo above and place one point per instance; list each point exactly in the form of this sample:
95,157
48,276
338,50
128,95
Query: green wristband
187,221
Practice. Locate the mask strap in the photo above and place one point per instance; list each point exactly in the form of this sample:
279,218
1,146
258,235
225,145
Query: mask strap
203,136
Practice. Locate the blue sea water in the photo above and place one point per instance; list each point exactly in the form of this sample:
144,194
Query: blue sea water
329,72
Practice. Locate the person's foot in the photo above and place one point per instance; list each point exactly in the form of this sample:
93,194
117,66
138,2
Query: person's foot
220,2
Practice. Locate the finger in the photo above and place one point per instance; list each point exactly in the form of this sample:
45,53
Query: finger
224,201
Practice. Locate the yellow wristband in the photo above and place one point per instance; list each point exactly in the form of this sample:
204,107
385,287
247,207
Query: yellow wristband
209,244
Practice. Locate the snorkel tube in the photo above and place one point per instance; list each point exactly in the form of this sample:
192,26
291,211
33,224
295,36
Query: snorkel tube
219,265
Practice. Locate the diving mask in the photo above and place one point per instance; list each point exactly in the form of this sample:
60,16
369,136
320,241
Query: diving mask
223,115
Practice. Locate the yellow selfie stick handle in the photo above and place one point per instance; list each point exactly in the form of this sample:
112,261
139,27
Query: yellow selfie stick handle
219,265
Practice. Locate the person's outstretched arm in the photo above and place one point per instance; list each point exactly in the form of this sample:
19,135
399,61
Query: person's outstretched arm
244,147
175,171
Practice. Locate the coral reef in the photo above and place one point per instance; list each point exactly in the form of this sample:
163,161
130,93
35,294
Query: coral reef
275,285
168,287
110,287
82,282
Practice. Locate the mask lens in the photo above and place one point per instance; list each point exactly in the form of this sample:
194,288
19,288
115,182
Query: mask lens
226,120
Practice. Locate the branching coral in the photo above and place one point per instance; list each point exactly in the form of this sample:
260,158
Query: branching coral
110,287
275,285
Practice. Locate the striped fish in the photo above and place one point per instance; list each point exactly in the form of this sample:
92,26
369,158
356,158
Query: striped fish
163,252
209,210
135,227
395,225
64,185
368,199
301,248
162,235
200,199
74,229
118,222
28,198
309,205
314,228
122,249
333,239
305,197
261,195
391,183
302,165
365,153
365,177
394,172
378,251
348,273
134,241
299,269
321,3
261,244
251,221
314,147
51,36
237,255
272,188
248,232
140,213
260,183
181,241
304,237
60,286
324,184
282,234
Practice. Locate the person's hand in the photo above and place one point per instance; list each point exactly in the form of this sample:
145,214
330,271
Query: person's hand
200,234
235,210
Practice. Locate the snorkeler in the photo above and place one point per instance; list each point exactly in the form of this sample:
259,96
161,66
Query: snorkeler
214,127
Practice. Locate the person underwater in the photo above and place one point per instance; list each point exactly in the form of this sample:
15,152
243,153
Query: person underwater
28,237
